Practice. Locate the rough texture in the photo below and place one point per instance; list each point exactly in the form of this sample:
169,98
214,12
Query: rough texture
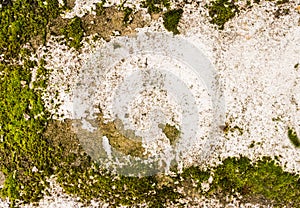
256,56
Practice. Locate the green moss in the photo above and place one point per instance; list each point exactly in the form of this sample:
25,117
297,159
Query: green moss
229,175
171,20
22,119
114,189
221,11
263,180
22,114
155,6
74,32
23,20
11,187
292,135
194,176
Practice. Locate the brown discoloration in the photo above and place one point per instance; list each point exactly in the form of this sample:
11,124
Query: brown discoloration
103,24
60,133
58,129
36,41
112,20
70,3
171,132
164,180
54,27
124,141
156,16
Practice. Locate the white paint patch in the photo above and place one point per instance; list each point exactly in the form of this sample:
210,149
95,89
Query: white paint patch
107,147
87,126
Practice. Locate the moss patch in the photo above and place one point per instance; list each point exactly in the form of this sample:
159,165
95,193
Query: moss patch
74,32
292,135
263,181
221,11
81,177
171,20
22,120
27,158
21,20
